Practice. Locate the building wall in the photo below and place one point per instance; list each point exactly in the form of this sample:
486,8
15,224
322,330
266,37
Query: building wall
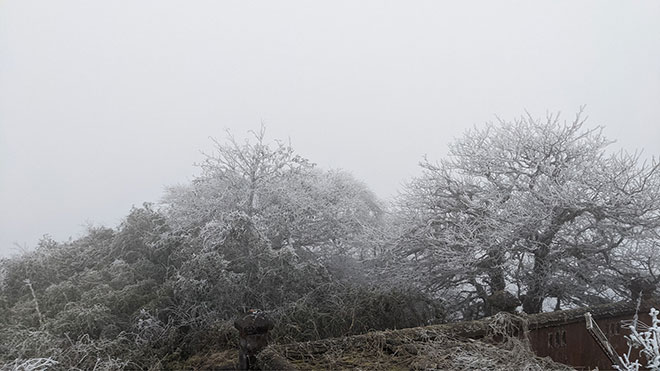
571,343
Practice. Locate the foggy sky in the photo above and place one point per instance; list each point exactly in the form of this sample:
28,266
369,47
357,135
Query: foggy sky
104,103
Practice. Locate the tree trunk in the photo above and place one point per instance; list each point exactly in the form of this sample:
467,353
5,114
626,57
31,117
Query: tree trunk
497,280
533,302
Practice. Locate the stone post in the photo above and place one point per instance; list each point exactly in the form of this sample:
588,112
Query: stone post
253,337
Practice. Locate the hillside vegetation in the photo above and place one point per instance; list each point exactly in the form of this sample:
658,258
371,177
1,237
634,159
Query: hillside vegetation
527,213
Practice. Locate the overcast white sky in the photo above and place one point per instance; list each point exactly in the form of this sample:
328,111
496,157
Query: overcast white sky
103,103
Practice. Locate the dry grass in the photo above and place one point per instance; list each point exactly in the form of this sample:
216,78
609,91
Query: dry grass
503,346
221,360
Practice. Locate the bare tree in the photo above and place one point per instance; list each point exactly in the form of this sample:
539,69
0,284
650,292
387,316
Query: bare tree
534,208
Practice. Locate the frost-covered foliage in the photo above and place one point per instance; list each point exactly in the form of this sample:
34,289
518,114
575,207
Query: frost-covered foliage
285,197
33,364
537,208
646,342
260,228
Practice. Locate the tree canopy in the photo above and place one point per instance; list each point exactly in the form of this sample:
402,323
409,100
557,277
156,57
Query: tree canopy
536,208
287,199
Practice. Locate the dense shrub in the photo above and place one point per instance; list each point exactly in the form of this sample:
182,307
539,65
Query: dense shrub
340,309
261,228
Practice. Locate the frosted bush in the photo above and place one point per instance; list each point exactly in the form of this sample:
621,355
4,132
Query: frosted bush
32,364
648,341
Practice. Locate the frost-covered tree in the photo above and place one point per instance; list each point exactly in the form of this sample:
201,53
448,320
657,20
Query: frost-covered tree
286,198
535,208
